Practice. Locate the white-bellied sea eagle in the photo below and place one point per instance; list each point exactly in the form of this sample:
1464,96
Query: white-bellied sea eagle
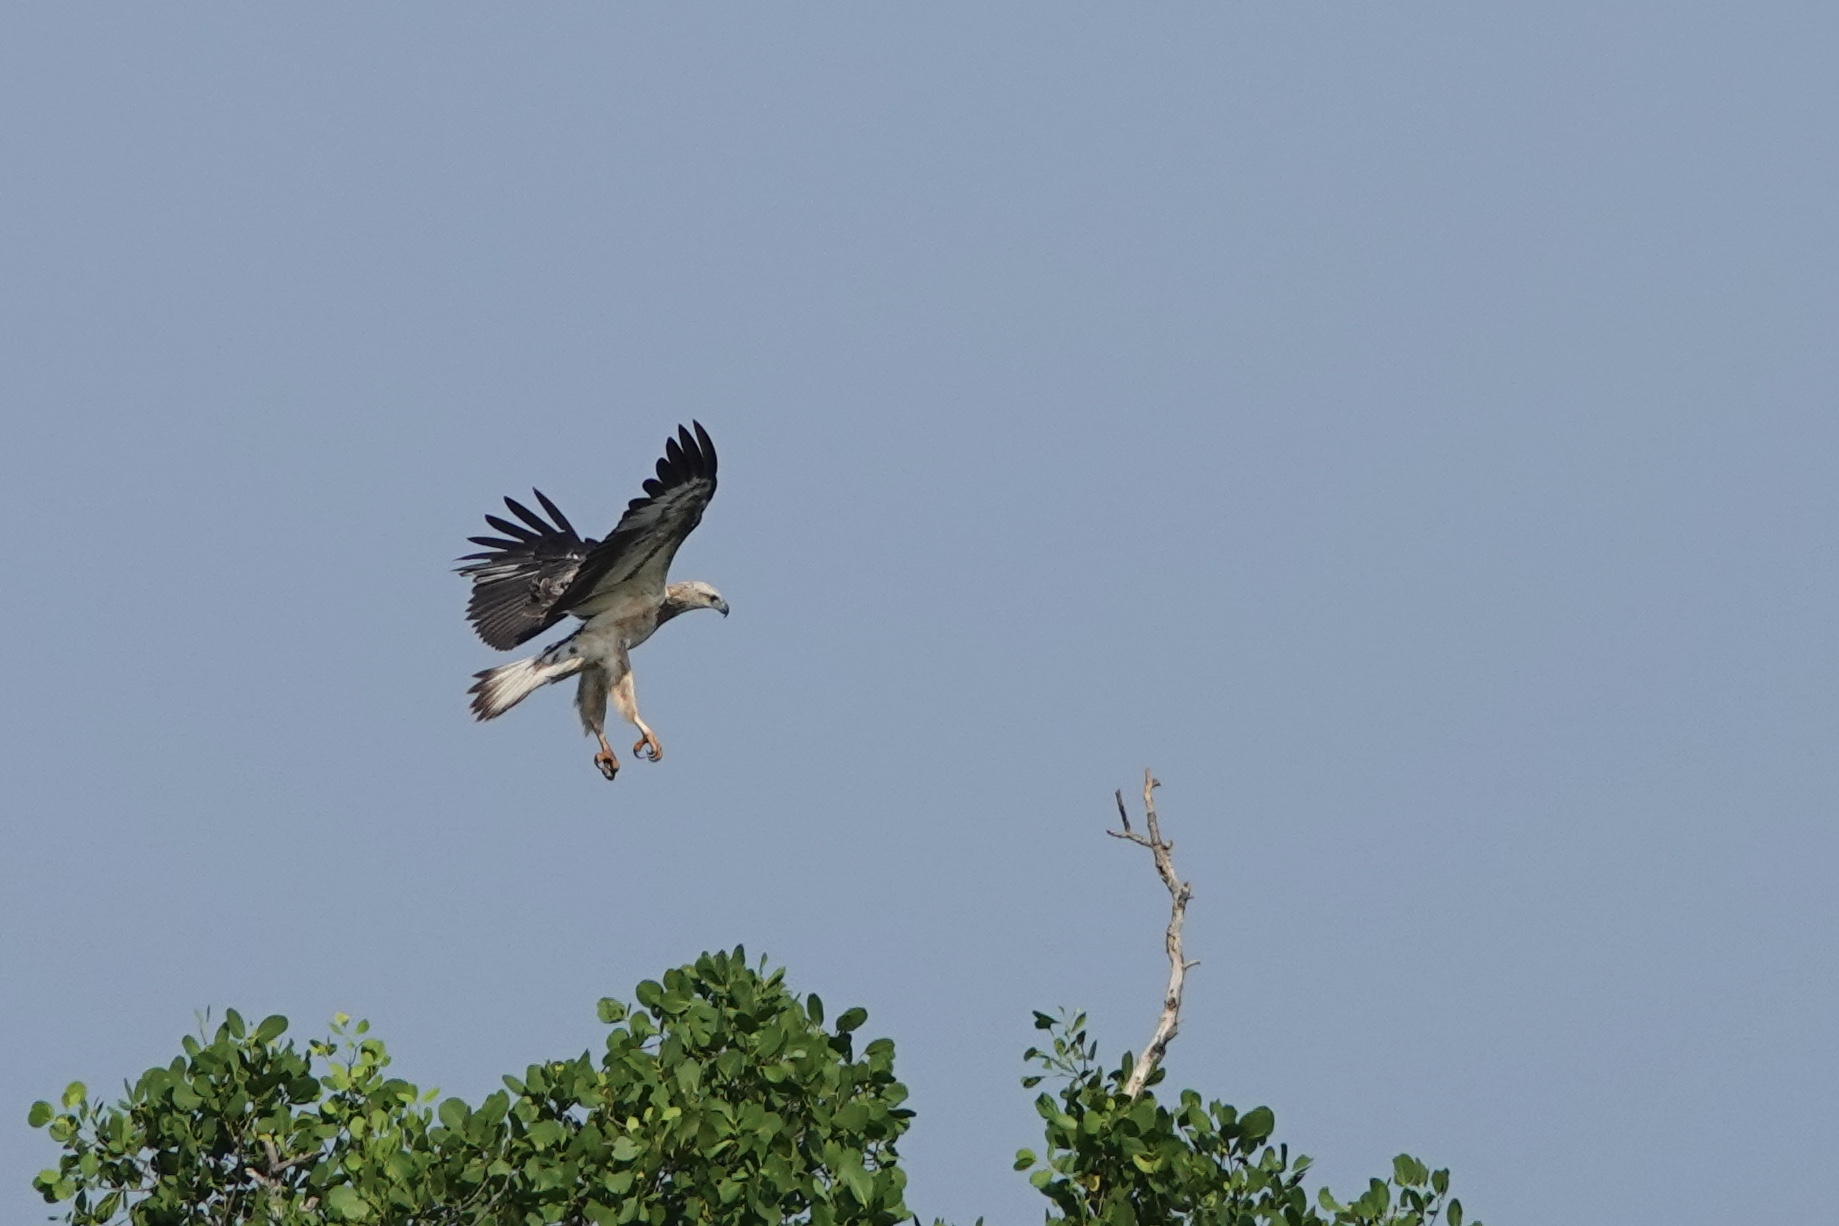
539,573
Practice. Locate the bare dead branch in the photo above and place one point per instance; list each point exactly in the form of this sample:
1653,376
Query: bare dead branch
1169,1022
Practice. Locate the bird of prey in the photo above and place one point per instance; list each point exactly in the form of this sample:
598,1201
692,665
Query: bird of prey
539,573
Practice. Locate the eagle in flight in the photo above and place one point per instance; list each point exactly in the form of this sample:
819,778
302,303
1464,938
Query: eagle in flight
539,573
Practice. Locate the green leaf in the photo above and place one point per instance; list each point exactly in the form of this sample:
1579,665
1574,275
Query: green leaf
272,1028
1024,1158
74,1094
857,1180
851,1019
1455,1212
610,1011
649,993
345,1202
814,1009
40,1114
1257,1123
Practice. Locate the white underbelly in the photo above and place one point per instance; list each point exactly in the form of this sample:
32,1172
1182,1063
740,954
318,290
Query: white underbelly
606,635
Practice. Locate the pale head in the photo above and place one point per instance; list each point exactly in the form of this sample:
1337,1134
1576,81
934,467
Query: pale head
692,594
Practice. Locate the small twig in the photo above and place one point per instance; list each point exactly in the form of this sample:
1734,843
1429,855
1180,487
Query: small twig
276,1166
1169,1022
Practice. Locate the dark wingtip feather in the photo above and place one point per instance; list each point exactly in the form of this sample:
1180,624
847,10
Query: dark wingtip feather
530,517
687,457
555,512
510,529
707,447
692,452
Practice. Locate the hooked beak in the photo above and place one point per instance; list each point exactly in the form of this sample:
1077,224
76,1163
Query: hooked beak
720,606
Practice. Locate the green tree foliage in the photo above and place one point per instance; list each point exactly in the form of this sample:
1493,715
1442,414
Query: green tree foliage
721,1098
1114,1160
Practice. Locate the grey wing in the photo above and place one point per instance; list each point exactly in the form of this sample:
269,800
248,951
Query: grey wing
519,578
640,547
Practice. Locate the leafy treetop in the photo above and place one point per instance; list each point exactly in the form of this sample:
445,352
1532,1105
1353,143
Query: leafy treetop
721,1098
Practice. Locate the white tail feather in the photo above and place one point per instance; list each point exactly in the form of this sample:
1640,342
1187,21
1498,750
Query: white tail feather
499,689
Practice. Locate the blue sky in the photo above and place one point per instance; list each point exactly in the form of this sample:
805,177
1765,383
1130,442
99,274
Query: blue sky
1409,428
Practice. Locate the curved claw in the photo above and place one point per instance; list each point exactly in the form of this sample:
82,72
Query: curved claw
608,764
648,747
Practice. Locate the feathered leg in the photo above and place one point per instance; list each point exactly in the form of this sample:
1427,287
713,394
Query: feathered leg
591,702
628,705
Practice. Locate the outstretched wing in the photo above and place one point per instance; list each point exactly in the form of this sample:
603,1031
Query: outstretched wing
640,548
519,579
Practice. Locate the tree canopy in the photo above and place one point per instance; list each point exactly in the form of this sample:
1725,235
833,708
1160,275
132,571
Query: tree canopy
721,1097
